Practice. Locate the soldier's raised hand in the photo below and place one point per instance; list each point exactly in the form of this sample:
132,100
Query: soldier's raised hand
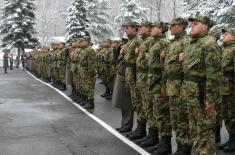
163,54
182,56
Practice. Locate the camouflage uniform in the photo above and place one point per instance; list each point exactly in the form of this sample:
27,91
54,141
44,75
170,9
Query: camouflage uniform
202,73
87,58
130,74
61,57
228,98
155,64
174,76
142,74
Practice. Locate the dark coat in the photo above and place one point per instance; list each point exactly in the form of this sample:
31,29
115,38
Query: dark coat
121,97
5,60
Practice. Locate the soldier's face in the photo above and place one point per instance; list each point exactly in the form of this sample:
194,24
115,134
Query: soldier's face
176,29
130,30
228,37
156,31
84,43
198,27
144,30
114,44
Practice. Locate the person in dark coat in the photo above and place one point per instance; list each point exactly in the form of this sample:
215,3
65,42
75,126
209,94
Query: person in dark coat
121,96
11,62
5,61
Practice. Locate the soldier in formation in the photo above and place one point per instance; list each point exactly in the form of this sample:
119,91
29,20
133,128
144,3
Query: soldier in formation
184,84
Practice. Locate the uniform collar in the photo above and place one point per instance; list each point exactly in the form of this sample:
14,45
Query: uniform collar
225,44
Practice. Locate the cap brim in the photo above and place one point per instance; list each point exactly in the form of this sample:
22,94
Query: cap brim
191,19
223,30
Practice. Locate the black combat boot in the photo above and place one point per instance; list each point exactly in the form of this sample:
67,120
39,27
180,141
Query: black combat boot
89,104
231,146
179,149
63,87
109,97
165,148
106,93
186,149
83,100
153,138
140,131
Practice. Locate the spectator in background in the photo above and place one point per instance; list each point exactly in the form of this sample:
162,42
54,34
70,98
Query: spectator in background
5,61
121,97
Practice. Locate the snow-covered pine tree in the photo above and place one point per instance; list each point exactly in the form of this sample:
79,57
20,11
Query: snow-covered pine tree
76,21
17,24
131,10
98,25
221,11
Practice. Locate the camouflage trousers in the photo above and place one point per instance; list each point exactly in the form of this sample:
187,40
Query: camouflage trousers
201,127
174,110
134,91
152,111
144,101
163,114
55,75
61,73
77,82
228,112
88,84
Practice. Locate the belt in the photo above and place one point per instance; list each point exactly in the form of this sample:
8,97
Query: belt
175,77
195,79
228,74
130,64
142,70
155,71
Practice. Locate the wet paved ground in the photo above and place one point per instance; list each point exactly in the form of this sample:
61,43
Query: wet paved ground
37,120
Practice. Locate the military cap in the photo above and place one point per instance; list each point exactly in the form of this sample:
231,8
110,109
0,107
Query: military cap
215,34
86,38
162,25
106,41
131,23
179,21
203,19
229,30
146,23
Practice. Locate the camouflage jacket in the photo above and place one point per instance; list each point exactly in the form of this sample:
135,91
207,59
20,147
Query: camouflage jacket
142,62
74,57
87,58
155,62
173,70
130,58
61,57
203,61
129,54
228,65
172,65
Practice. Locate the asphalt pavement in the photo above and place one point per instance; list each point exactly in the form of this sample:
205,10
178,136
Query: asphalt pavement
37,120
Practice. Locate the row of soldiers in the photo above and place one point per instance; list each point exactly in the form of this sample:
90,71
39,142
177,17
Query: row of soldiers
77,59
185,84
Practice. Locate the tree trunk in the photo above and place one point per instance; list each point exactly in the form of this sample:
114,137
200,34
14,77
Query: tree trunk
19,52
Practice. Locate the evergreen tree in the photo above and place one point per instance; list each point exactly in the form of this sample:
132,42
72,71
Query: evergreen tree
76,21
130,11
221,11
16,25
98,25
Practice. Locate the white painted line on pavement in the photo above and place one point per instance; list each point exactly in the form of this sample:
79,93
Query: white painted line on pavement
106,126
